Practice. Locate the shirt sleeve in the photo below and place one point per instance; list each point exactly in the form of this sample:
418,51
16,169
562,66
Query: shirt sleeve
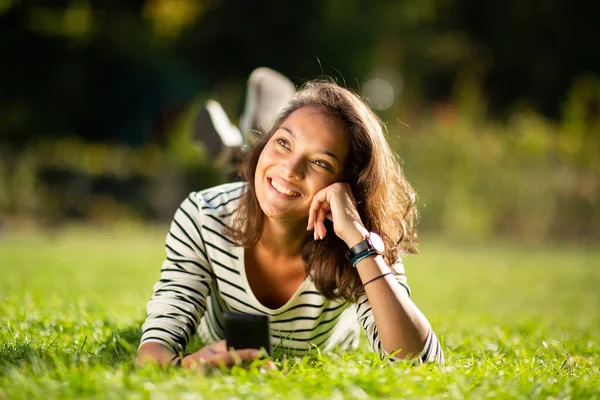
180,296
432,350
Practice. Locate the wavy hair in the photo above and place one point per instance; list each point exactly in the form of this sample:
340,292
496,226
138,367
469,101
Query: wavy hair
385,200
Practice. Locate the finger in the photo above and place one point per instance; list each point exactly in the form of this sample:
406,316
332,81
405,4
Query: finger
214,348
219,346
314,215
318,218
311,216
248,354
233,357
264,365
317,200
320,225
244,354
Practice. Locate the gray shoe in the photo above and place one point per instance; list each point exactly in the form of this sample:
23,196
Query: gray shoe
267,94
220,138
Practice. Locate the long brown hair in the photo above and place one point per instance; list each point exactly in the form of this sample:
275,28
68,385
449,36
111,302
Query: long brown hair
385,200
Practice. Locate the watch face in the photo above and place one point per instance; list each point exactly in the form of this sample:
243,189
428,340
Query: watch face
376,242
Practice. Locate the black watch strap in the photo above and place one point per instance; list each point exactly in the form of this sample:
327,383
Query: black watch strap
361,247
372,244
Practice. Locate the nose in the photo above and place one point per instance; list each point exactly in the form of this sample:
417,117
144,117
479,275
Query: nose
294,168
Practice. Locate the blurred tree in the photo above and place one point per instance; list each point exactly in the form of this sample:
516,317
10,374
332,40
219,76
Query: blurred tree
121,71
535,49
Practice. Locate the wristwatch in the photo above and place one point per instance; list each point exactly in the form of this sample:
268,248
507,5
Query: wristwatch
371,245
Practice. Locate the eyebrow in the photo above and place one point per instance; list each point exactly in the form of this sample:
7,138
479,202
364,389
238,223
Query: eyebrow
292,134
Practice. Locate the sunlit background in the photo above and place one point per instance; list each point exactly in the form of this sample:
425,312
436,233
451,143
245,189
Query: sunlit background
494,108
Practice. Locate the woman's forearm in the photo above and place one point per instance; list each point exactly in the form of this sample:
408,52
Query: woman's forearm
401,325
153,352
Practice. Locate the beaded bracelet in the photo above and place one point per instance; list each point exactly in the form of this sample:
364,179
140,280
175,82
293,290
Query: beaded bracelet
179,360
377,277
359,257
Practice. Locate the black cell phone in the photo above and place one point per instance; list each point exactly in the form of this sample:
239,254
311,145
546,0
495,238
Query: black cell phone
247,331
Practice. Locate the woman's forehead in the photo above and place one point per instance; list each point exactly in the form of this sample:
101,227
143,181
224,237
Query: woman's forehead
314,127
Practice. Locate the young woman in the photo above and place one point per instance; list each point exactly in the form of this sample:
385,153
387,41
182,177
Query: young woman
313,238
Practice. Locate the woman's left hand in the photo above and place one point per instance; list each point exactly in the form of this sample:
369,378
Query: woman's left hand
336,203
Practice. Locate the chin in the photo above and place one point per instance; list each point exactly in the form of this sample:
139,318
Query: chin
282,213
278,213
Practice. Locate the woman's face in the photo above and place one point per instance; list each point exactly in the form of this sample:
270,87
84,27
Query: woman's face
306,154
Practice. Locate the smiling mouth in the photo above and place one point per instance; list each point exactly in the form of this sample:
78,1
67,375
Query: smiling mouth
283,190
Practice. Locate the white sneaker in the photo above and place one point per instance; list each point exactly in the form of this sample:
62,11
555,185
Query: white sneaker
267,94
220,137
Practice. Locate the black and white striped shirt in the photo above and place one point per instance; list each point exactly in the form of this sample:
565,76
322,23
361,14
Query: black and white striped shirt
204,276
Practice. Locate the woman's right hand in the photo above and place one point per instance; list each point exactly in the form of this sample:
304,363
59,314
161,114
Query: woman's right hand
217,355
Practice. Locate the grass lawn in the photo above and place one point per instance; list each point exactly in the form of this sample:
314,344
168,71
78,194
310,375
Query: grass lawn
515,321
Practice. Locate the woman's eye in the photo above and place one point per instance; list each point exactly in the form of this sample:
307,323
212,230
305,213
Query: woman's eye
283,143
323,164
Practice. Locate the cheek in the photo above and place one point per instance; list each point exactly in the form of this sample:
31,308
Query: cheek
319,181
266,157
263,160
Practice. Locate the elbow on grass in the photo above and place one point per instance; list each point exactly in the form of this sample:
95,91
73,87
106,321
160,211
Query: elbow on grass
411,356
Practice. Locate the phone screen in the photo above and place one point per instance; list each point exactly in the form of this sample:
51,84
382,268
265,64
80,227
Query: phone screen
247,331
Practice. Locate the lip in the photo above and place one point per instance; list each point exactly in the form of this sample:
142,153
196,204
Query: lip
285,185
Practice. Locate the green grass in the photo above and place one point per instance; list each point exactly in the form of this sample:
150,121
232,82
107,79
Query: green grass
515,320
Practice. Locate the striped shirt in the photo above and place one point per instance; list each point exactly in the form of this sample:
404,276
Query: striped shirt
203,276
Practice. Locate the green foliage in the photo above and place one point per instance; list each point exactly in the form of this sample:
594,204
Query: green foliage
514,321
53,180
528,178
113,70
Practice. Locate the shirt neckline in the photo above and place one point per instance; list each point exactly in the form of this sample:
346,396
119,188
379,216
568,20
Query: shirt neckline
256,303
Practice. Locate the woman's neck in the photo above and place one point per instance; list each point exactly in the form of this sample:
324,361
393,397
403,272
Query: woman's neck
282,239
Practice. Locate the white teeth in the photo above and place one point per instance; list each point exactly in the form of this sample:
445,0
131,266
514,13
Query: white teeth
283,190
